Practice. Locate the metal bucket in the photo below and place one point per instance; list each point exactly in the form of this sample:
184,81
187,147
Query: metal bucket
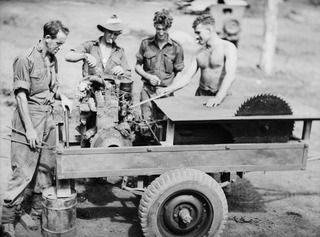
59,214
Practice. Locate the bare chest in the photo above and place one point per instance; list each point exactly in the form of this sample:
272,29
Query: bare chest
211,59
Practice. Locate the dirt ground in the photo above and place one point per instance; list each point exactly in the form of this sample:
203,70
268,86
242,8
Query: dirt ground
262,204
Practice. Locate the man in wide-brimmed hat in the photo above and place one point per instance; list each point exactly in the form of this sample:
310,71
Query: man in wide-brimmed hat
103,57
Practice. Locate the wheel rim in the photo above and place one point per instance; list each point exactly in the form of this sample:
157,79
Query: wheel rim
185,213
232,27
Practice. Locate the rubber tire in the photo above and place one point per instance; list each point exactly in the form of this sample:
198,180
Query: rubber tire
176,180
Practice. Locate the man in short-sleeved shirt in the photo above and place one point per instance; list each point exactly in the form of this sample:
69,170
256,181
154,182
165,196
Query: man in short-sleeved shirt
117,58
159,60
36,87
102,57
36,74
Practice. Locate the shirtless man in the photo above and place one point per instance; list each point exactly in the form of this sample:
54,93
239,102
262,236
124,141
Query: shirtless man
217,61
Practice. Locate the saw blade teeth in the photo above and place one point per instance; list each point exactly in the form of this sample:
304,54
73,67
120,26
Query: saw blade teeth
238,110
255,131
284,102
240,107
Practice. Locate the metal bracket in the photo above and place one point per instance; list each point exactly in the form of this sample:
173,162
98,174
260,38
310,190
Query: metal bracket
137,191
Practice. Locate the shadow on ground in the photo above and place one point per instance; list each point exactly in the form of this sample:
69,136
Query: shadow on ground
244,197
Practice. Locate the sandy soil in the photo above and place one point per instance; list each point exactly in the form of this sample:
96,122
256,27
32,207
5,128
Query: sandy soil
262,204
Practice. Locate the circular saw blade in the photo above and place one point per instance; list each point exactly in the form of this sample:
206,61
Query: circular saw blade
263,131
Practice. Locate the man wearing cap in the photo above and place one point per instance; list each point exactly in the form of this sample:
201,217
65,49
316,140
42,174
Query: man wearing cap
102,57
159,60
35,87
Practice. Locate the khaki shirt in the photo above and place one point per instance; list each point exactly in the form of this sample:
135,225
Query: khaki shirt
36,74
116,58
164,63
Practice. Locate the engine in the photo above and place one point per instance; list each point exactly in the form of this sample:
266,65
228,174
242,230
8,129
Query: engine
106,119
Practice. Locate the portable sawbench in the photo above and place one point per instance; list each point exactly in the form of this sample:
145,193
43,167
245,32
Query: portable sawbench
240,135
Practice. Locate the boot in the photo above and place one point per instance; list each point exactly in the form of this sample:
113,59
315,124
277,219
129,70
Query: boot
8,230
36,210
10,216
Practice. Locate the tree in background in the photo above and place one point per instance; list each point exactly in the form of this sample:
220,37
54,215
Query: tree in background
270,36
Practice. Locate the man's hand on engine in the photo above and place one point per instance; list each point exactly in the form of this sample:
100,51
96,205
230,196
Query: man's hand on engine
124,129
91,60
117,70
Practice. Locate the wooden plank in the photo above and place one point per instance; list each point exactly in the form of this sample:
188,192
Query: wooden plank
63,188
307,124
158,171
66,126
157,161
59,136
199,148
170,132
188,109
305,157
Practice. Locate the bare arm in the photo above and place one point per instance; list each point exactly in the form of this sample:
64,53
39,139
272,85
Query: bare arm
24,112
230,67
183,78
73,56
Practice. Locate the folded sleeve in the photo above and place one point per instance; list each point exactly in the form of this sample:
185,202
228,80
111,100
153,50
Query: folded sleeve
21,74
124,64
179,60
83,48
140,53
55,82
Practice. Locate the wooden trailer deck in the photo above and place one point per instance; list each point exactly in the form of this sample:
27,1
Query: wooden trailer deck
75,162
192,109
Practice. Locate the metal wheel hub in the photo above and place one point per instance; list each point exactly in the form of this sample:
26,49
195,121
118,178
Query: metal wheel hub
183,213
231,27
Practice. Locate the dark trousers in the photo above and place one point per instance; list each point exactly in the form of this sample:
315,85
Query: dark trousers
30,168
201,92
